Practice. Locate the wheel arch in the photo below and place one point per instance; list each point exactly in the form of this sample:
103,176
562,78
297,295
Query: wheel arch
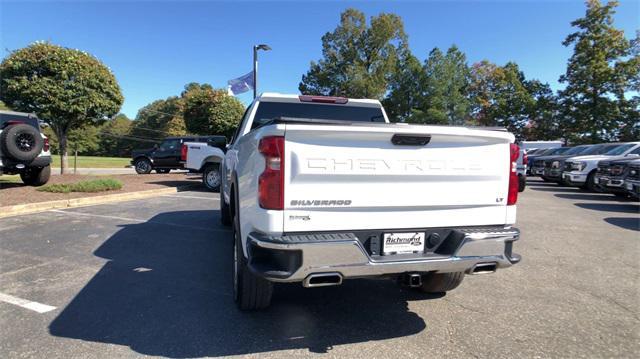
213,159
146,157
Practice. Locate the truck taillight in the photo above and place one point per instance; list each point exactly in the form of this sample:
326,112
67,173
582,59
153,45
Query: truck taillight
183,152
525,159
271,181
512,196
45,147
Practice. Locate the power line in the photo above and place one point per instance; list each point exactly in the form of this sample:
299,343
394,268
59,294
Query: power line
134,138
164,113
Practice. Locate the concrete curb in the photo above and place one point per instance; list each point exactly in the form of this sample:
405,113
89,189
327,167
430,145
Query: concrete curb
17,209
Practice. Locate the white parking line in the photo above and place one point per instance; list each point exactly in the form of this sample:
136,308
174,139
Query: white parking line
98,215
196,197
35,306
139,220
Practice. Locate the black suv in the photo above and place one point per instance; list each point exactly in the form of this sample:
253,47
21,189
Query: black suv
166,157
23,149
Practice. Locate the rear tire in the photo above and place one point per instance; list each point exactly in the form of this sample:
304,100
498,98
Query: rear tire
143,166
211,177
21,142
590,184
225,215
441,282
522,183
36,176
250,292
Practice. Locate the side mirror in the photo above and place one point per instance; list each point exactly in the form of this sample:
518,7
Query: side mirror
155,146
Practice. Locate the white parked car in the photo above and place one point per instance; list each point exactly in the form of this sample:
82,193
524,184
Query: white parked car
323,189
580,171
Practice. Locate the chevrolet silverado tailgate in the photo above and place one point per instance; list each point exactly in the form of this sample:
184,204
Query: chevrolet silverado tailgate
348,177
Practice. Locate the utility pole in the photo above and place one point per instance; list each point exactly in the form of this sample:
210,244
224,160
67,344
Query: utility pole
255,66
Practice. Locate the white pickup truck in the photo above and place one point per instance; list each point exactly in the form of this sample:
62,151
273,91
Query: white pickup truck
322,189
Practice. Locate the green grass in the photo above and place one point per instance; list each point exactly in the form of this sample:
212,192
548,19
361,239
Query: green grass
10,179
95,185
93,162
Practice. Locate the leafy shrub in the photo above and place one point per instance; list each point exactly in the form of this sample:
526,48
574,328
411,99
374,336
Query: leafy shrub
96,185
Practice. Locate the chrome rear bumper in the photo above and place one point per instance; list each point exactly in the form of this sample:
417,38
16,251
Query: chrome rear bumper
294,258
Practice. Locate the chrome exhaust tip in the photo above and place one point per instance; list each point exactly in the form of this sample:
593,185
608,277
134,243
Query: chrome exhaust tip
322,280
483,268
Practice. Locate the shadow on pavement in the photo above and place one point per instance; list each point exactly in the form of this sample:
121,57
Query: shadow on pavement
625,222
556,188
179,183
4,185
609,207
592,197
166,291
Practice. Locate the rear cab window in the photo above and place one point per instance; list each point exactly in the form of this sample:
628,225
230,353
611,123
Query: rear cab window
268,111
170,144
31,120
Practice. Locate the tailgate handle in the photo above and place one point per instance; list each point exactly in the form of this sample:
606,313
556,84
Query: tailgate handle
410,140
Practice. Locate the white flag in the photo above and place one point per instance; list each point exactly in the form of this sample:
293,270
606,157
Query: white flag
241,84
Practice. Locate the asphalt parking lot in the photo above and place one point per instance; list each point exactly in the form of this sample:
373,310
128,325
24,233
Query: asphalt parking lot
152,277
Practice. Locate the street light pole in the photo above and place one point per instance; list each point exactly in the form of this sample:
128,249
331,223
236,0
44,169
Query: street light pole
255,66
255,71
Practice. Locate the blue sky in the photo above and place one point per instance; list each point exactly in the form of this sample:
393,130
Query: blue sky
155,48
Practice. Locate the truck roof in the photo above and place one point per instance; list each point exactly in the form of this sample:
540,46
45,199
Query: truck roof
278,97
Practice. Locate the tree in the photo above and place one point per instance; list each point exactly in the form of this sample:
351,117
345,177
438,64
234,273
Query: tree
482,91
433,108
85,140
208,111
66,88
444,88
544,123
114,139
3,106
405,94
603,69
358,60
500,97
159,119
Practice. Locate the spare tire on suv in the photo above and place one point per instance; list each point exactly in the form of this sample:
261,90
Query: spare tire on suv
21,142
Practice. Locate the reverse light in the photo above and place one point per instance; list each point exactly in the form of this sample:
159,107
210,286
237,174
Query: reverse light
183,152
512,195
45,147
271,181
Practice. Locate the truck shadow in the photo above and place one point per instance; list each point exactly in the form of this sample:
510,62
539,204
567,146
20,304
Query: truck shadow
629,223
593,197
610,207
166,290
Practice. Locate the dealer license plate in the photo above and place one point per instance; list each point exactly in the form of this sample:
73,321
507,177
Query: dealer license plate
403,242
